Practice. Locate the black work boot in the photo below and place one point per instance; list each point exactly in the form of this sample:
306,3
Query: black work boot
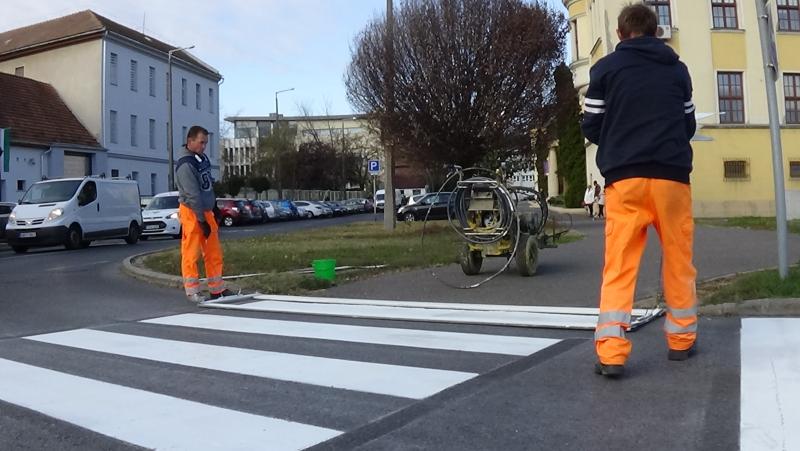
612,371
676,355
223,293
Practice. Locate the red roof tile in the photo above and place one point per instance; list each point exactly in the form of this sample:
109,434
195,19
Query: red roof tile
36,114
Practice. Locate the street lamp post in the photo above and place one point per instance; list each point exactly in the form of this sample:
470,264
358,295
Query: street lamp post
278,159
171,172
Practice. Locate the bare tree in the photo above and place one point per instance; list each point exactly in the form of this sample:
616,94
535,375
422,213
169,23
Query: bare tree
472,78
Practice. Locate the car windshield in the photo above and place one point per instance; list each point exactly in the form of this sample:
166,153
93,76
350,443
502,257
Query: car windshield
379,196
59,191
163,203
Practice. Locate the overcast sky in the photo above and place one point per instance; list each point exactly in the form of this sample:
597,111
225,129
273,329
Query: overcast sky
259,46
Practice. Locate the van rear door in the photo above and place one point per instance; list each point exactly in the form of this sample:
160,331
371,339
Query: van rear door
88,213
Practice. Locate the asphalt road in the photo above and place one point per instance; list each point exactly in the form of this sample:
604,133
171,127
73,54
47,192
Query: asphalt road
117,369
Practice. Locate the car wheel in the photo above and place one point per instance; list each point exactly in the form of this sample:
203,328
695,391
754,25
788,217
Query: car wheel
409,217
178,235
73,238
144,237
20,249
133,233
227,221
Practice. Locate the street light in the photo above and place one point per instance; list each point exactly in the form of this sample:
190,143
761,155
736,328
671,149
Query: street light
171,173
278,163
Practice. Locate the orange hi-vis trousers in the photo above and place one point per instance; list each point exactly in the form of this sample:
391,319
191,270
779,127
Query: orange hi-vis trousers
631,206
193,245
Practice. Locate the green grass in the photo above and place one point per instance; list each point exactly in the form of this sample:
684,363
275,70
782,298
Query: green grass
359,244
757,285
749,222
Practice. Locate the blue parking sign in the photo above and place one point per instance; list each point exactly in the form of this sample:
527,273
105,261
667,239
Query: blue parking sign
374,166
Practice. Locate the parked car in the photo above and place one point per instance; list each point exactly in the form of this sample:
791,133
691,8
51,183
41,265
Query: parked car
144,201
326,210
436,202
5,210
415,199
380,196
269,210
312,209
161,216
338,209
282,213
289,205
233,212
75,211
256,213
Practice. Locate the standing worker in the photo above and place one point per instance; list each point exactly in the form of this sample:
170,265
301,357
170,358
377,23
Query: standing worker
639,111
199,229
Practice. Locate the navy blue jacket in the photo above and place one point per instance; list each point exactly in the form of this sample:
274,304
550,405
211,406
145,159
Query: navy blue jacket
639,111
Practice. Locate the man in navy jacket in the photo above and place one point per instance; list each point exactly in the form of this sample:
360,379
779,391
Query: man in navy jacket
639,111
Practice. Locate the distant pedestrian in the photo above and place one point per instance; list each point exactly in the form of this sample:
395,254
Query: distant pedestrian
601,203
588,200
642,126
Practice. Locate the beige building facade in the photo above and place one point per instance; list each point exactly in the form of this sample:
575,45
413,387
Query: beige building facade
719,41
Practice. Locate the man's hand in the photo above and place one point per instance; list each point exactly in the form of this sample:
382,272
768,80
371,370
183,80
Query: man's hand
205,228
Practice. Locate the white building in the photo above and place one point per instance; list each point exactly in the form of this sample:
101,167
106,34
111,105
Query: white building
114,80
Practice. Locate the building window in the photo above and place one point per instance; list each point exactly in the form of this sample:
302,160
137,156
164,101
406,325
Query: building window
112,119
112,69
152,184
183,91
724,12
133,131
575,39
152,84
184,132
210,100
210,145
791,93
135,176
662,10
197,95
20,185
736,170
114,173
19,71
731,97
788,15
794,169
152,134
134,75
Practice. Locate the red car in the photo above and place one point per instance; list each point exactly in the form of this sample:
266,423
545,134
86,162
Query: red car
234,212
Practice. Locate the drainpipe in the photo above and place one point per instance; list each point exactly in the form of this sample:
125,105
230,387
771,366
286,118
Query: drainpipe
41,166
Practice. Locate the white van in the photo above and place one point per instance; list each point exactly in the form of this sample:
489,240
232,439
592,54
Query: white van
161,216
75,211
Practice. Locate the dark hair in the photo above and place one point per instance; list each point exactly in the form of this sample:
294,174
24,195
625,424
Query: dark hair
194,131
638,20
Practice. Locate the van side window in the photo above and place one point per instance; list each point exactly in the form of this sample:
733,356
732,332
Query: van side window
88,194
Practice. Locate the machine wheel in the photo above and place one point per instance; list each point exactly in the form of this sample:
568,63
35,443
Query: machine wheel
133,234
527,255
227,221
20,249
73,239
471,261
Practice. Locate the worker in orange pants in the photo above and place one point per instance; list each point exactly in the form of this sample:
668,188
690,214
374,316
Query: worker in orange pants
195,245
200,235
639,111
631,206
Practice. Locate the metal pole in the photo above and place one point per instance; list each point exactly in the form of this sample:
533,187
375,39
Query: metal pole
170,163
279,151
388,196
770,78
170,156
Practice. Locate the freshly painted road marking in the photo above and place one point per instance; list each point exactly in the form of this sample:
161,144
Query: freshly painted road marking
148,419
454,341
394,380
770,384
499,318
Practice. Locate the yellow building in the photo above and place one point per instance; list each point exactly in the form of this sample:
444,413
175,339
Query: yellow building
719,41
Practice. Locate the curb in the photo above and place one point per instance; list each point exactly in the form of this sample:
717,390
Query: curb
753,307
152,277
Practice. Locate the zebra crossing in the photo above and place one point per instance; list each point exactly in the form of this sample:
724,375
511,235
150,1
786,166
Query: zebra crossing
231,380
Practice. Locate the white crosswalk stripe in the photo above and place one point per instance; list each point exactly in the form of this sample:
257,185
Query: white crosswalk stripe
162,420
